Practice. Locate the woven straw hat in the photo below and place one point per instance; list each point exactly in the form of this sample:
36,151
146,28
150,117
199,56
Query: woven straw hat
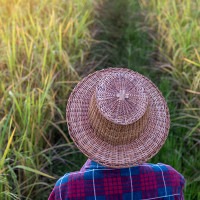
117,117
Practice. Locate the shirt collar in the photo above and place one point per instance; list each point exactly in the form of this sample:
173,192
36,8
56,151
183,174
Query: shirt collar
90,164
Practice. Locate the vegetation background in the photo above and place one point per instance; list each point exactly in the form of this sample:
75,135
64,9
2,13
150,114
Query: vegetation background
47,47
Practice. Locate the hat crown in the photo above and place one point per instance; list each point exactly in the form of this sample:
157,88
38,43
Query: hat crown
121,98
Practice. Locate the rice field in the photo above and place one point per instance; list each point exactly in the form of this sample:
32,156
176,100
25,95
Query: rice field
174,28
42,45
47,47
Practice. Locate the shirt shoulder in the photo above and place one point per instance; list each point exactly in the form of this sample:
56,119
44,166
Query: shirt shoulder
158,181
61,185
65,179
162,170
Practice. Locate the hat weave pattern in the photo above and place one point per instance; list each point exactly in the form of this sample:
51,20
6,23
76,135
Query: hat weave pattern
121,98
117,117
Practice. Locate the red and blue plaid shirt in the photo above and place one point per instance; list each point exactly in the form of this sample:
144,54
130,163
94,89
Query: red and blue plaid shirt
97,182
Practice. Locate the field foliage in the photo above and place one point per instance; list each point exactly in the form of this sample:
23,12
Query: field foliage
174,28
42,44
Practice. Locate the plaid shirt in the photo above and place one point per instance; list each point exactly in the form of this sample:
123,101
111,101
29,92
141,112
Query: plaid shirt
97,182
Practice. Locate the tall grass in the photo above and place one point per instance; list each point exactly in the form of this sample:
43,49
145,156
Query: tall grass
174,27
42,44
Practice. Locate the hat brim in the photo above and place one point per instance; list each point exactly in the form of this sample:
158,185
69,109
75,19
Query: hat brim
122,156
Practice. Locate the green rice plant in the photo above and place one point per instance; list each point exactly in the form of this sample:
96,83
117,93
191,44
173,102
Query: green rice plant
42,45
174,28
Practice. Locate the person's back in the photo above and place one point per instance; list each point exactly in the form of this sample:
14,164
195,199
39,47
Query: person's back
146,181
